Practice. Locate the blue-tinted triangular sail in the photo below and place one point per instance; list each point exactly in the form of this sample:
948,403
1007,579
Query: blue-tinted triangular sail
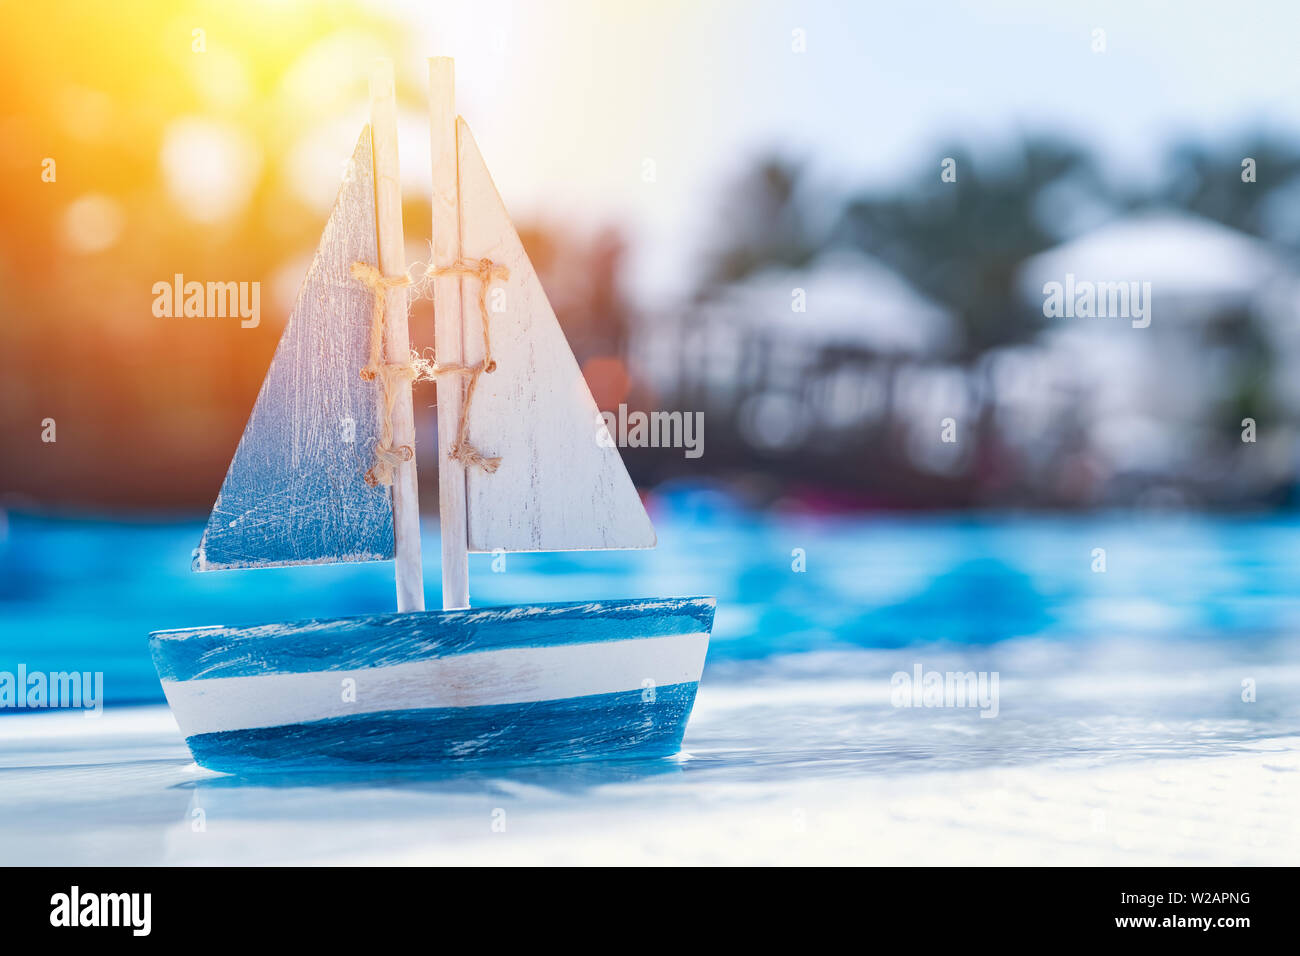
296,492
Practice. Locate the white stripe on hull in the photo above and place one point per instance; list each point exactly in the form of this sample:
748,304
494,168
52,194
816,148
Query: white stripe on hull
511,675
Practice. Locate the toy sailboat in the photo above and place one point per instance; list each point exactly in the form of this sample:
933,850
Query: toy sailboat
325,472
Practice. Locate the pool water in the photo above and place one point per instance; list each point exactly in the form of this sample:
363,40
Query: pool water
1147,703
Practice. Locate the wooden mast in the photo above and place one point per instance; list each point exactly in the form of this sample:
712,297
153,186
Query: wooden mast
392,262
448,330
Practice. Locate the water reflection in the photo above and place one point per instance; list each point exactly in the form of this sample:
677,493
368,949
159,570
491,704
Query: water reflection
572,779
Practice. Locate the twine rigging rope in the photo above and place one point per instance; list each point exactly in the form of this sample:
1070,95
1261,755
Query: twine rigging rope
417,369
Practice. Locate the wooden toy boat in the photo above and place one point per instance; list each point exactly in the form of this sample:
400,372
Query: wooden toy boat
326,472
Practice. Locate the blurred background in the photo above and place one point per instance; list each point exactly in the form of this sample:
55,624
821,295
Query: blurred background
682,174
739,209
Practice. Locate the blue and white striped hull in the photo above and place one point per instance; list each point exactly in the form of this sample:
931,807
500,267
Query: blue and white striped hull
505,684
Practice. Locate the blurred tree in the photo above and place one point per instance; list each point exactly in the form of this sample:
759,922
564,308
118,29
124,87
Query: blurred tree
962,242
767,214
1208,180
175,135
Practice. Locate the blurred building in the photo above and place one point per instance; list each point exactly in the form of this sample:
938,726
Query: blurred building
840,374
818,372
1160,405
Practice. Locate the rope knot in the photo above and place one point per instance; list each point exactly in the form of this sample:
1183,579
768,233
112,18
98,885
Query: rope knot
387,457
384,469
417,368
376,279
485,270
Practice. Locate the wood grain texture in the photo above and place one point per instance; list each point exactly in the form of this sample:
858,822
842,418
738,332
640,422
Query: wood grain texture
383,640
295,491
529,682
448,345
598,727
558,488
517,675
408,569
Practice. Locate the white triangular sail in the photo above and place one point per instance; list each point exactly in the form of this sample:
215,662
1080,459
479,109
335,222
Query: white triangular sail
296,491
561,485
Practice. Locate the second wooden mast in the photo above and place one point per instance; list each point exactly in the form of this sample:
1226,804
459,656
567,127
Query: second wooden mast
449,345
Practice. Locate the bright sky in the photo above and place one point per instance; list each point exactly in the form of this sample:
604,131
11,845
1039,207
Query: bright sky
569,98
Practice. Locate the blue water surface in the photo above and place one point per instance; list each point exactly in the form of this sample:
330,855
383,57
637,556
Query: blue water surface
1147,713
83,594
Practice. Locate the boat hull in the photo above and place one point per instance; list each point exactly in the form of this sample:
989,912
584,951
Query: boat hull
506,684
